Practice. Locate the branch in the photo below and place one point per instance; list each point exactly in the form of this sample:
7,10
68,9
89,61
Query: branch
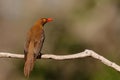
83,54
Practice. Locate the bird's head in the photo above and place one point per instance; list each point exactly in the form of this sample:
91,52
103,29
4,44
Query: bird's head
45,20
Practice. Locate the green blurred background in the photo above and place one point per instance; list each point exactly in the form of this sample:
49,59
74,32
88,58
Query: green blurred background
77,25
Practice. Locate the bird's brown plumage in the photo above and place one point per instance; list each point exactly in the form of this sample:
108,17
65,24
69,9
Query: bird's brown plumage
34,42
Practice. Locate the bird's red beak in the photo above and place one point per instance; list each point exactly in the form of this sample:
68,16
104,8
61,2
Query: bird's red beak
49,19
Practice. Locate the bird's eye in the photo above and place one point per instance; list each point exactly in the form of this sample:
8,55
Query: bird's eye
44,20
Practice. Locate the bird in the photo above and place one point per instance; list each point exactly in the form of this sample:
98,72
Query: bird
33,45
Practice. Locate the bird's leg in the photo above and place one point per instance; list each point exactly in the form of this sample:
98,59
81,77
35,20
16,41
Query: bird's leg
39,56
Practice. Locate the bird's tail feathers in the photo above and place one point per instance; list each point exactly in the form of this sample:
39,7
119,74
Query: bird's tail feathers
30,59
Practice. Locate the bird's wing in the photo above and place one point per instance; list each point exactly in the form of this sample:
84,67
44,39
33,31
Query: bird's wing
26,45
38,45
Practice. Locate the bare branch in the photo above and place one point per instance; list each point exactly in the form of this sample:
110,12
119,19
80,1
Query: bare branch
83,54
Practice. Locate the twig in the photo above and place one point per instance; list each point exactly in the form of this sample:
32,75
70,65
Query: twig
83,54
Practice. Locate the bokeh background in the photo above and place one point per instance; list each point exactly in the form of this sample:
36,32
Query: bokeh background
77,25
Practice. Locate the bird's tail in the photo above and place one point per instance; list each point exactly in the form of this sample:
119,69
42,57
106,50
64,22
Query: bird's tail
30,59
